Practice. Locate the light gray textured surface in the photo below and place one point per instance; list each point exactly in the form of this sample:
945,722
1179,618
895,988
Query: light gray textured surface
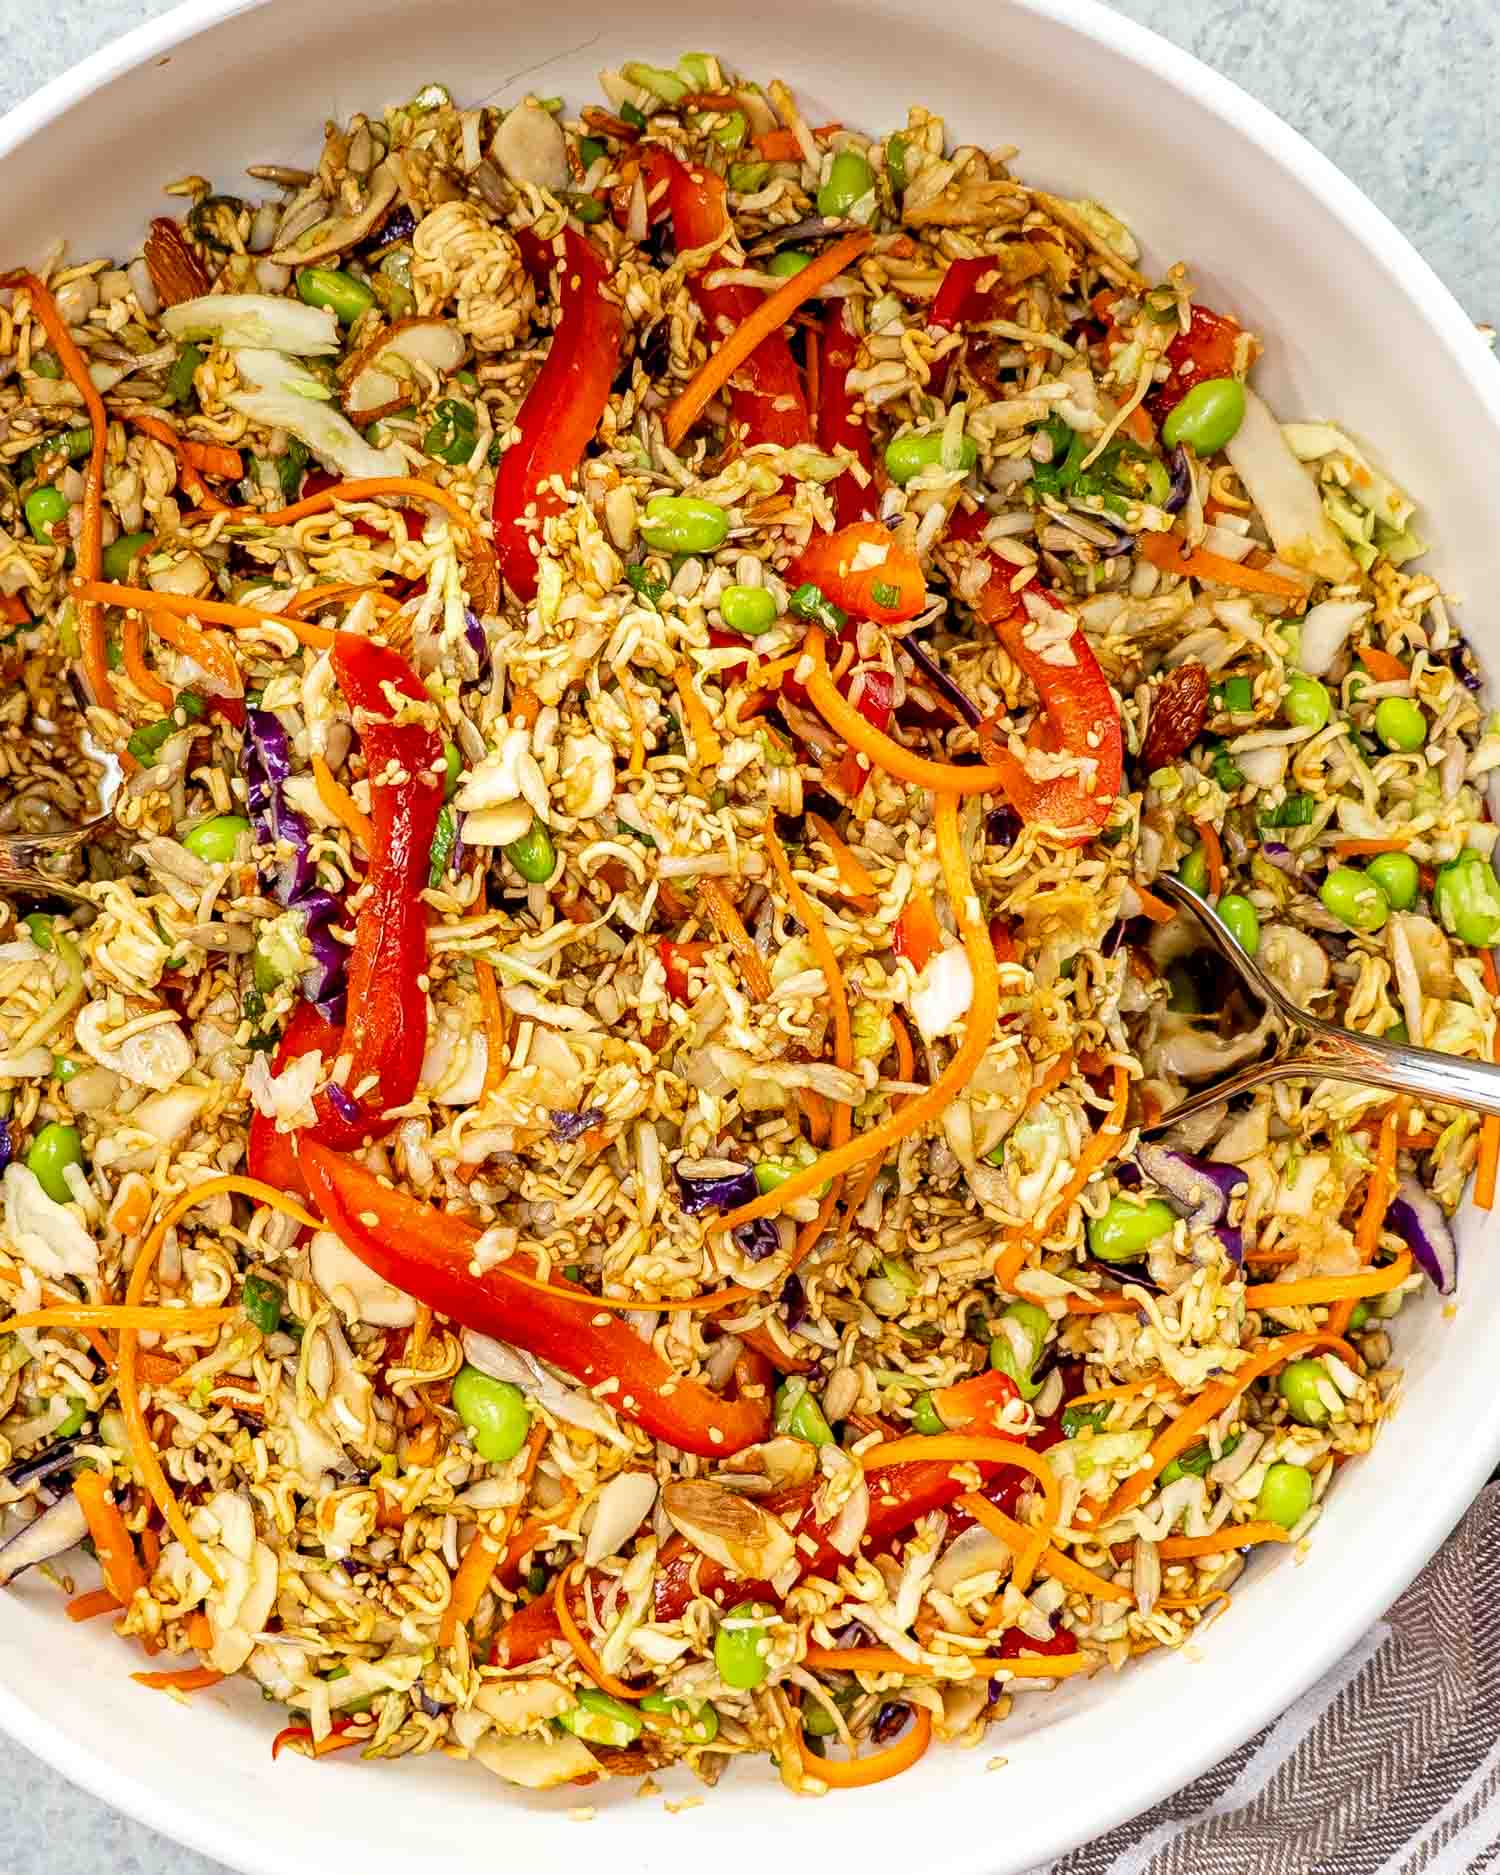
1401,94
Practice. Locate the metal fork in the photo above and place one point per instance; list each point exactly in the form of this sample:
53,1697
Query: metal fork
1308,1048
22,854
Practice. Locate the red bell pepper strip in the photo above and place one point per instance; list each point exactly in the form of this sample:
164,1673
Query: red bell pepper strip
427,1252
766,402
960,300
1206,350
838,427
975,1405
863,570
385,1034
271,1156
917,935
560,414
1081,715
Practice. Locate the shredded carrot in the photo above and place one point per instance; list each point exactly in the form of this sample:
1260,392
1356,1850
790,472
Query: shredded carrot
1232,1536
768,317
1156,1384
1193,1601
585,1655
1052,1562
1056,1073
209,458
199,1632
525,706
855,880
534,1529
883,750
184,1680
1382,1188
14,609
1179,1433
315,596
1104,1302
133,656
818,1113
778,146
1489,1130
730,926
340,803
90,549
1094,1154
811,920
147,1464
212,611
469,1583
158,1318
962,1447
118,1562
1316,1289
879,1766
1154,908
364,488
887,1660
1213,856
494,1026
208,650
1384,668
96,1602
1358,849
1164,551
918,935
813,371
906,1061
813,1230
768,676
979,1030
707,747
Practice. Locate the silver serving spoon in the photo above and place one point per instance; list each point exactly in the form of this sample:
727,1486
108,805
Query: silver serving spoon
23,856
1307,1048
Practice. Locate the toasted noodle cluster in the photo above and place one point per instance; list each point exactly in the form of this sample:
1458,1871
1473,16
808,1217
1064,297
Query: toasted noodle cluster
573,1188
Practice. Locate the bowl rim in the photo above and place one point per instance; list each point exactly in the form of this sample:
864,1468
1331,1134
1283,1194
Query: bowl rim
1097,1806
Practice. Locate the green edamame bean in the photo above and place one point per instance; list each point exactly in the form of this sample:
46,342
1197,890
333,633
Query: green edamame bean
925,1417
1193,872
740,1645
746,178
602,1720
747,609
1466,898
453,767
1307,703
849,178
262,1301
1355,898
214,841
533,855
1400,724
1397,876
119,554
1361,1313
65,1069
344,296
54,1149
817,1720
1285,1495
694,1717
40,927
1300,1384
908,456
789,261
494,1411
895,159
45,508
1239,914
1207,417
798,1413
1031,1326
679,524
1128,1227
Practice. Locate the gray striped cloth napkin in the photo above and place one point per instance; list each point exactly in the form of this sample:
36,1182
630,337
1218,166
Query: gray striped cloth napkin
1390,1765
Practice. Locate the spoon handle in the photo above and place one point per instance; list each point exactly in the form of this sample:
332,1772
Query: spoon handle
1449,1080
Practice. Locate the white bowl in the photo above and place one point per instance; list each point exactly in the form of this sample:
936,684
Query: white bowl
1356,328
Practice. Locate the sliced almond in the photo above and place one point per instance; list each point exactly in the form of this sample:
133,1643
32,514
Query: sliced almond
176,271
728,1528
336,233
379,378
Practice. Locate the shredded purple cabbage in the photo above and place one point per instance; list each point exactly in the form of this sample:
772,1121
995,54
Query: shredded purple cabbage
941,682
1182,481
889,1721
267,762
568,1126
6,1147
476,640
794,1301
757,1240
343,1103
1417,1217
720,1192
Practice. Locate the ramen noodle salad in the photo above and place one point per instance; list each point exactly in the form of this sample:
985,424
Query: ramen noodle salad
573,1186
